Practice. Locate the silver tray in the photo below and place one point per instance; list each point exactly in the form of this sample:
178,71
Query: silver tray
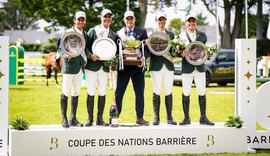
105,48
159,43
72,42
197,55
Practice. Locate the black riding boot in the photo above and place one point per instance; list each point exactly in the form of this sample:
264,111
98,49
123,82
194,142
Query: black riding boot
90,110
101,105
185,104
73,120
203,119
64,103
156,106
168,104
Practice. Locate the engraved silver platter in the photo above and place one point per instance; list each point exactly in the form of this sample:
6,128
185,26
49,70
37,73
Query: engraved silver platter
105,48
197,55
72,42
159,43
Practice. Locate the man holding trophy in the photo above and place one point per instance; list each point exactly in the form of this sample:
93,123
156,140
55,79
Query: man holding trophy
194,71
130,35
97,73
162,69
72,49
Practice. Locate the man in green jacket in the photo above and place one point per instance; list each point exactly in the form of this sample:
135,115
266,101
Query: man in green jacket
191,72
161,70
97,73
72,71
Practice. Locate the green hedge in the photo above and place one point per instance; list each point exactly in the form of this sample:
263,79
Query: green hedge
31,46
35,47
263,47
48,47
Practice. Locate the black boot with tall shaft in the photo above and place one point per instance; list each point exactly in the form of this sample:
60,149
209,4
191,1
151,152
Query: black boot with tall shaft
156,106
90,110
101,105
203,119
64,102
168,104
185,104
73,119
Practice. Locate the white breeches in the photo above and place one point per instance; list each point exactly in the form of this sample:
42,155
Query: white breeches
157,77
72,81
96,79
199,79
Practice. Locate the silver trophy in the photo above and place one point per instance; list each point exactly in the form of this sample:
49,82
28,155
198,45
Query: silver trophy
159,43
72,42
105,48
197,54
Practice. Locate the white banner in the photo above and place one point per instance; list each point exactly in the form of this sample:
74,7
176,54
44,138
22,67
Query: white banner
4,93
97,140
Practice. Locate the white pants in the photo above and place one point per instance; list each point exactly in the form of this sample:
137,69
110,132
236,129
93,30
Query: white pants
167,77
94,79
199,79
74,81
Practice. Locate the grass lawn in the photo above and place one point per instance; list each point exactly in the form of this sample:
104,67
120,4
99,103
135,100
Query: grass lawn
41,105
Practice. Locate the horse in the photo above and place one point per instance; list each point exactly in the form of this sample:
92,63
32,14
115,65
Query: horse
51,63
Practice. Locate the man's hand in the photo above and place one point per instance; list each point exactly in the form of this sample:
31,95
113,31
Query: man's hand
94,57
142,62
127,50
184,53
70,56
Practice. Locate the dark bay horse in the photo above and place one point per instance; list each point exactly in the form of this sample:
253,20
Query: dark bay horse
50,64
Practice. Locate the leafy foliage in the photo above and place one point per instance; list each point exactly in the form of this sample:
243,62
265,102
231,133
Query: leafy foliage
263,47
20,123
201,19
47,47
12,17
252,24
212,48
61,12
234,122
175,26
112,63
176,45
30,46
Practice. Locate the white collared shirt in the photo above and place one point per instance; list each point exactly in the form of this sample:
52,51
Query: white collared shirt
132,29
105,30
78,31
183,37
192,35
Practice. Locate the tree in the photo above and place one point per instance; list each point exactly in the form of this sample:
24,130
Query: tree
175,26
259,20
227,34
61,12
12,18
201,19
252,27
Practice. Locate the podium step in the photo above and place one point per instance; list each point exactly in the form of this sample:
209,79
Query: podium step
127,139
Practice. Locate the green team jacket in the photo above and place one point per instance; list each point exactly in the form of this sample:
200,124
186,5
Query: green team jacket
156,62
189,68
96,65
73,65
